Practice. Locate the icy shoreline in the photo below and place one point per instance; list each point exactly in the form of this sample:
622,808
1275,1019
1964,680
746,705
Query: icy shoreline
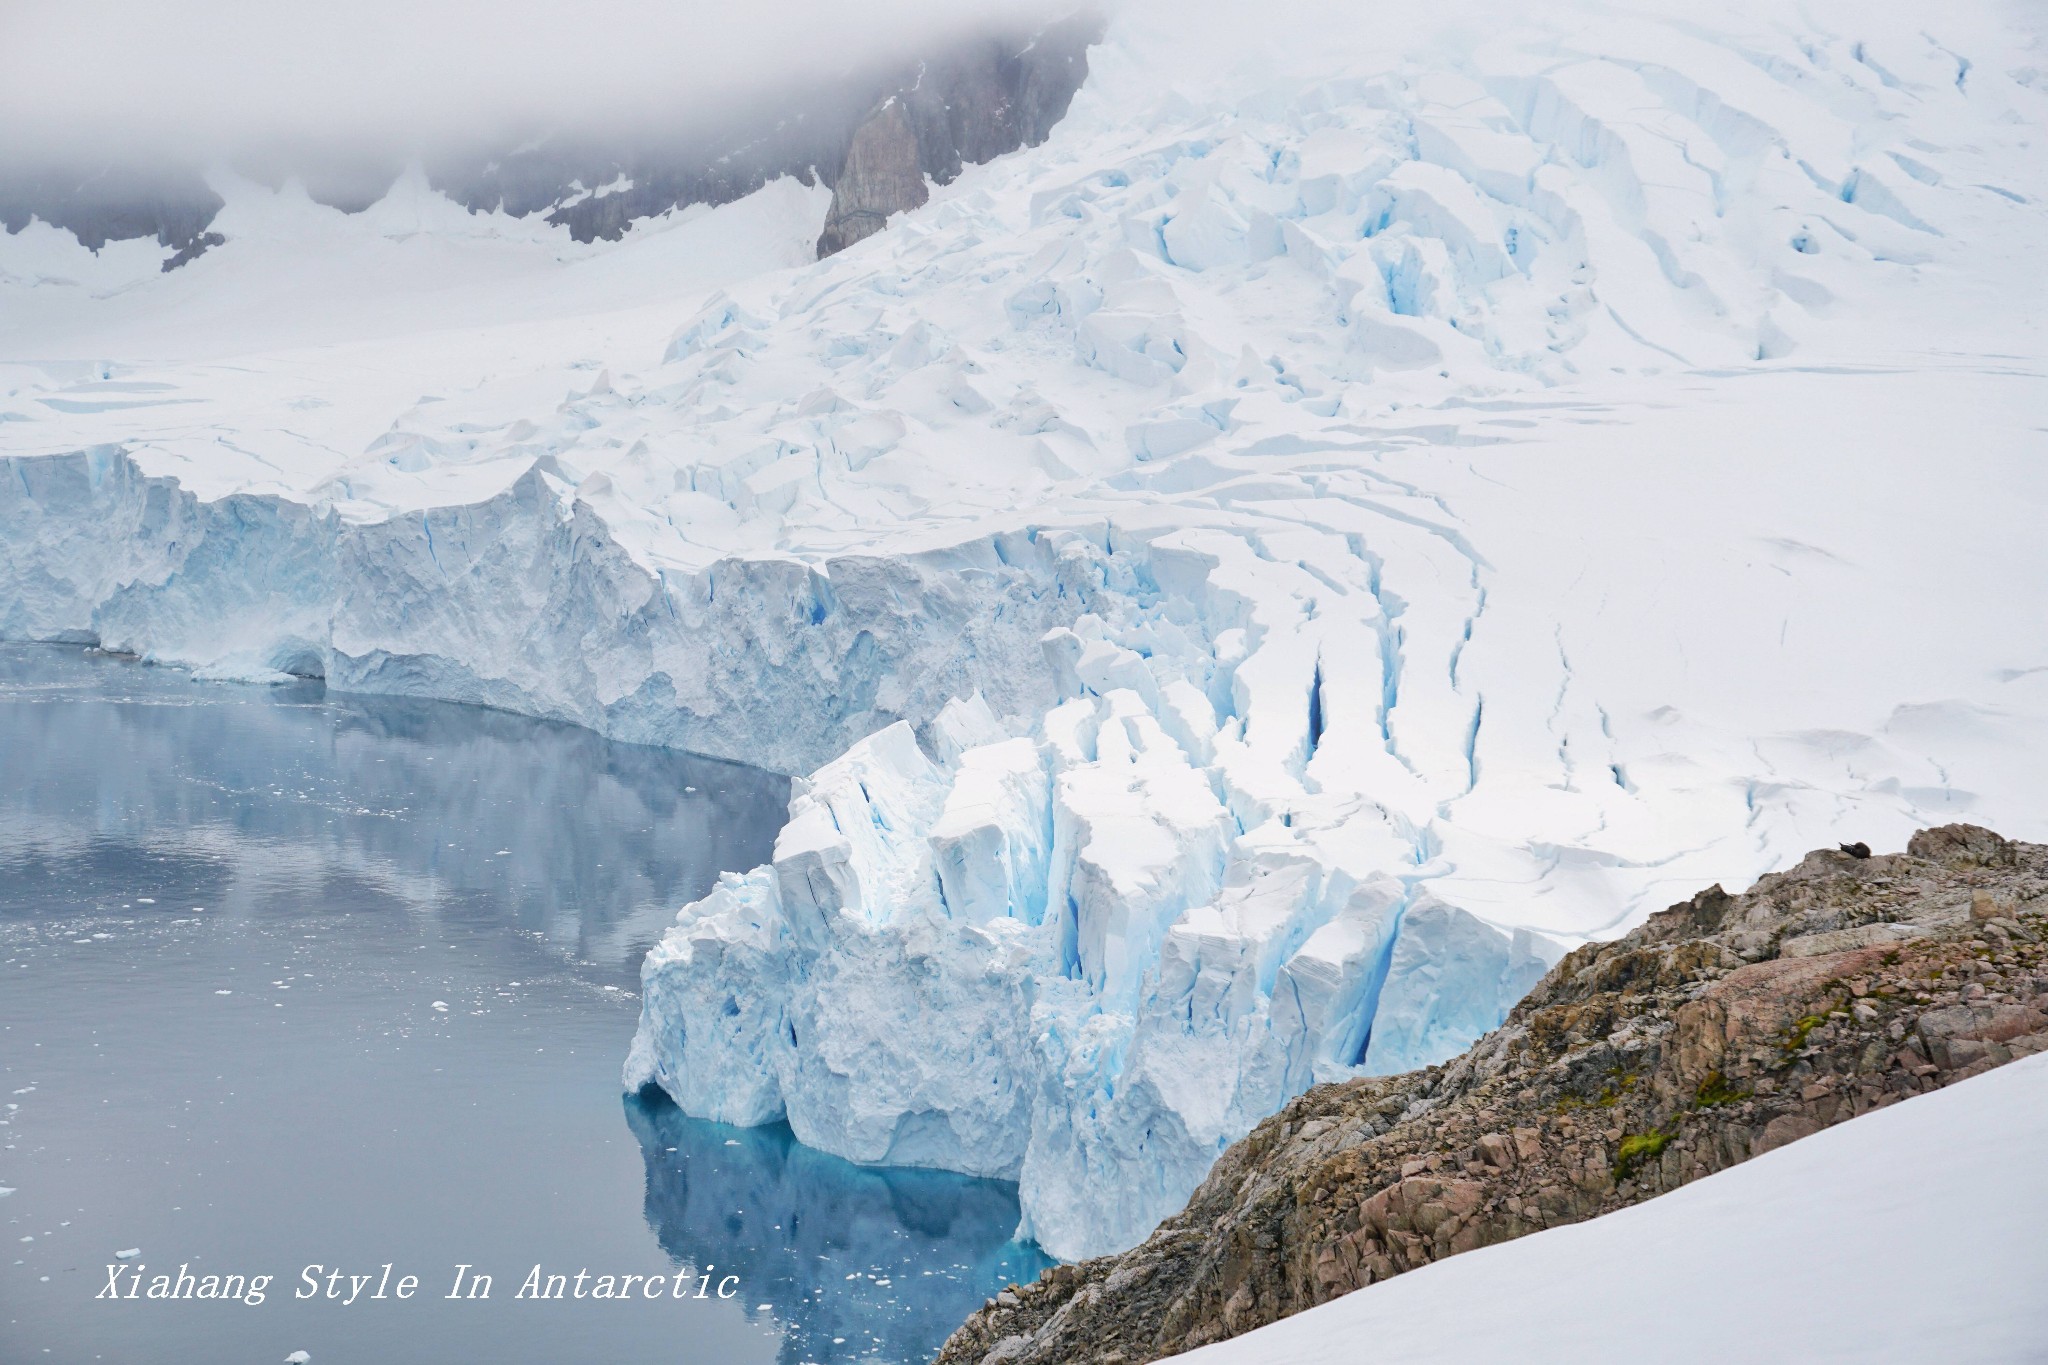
1247,579
1142,929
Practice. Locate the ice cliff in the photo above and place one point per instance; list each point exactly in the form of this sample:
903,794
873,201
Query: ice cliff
1364,505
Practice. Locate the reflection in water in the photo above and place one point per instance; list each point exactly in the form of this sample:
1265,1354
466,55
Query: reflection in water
472,812
418,920
854,1261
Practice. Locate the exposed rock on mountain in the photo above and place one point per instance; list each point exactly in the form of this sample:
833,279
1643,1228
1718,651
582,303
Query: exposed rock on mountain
981,102
1722,1028
98,207
873,137
881,176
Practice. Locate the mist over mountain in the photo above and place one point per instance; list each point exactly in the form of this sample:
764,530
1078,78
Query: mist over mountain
627,114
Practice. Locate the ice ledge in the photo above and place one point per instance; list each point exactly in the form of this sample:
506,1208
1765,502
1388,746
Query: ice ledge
771,662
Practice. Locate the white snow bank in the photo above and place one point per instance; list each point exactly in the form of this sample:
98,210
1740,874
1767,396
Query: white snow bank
1910,1234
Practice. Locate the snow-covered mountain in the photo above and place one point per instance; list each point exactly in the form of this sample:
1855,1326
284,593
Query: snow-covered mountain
1371,500
961,100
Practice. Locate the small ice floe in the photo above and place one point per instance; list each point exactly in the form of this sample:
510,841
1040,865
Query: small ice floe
732,1142
502,853
298,1358
223,992
6,1190
144,900
441,1006
130,1254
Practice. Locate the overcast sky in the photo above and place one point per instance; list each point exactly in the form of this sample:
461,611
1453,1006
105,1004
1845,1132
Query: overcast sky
142,78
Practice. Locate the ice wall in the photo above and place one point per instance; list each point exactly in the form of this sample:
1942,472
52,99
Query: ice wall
1081,929
523,602
1088,950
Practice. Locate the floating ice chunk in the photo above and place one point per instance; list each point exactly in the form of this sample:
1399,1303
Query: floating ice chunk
130,1254
440,1006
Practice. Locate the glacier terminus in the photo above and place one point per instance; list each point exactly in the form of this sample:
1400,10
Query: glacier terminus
1242,587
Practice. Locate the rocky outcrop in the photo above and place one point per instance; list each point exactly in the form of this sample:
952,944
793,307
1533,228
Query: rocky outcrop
984,99
103,204
1722,1028
881,176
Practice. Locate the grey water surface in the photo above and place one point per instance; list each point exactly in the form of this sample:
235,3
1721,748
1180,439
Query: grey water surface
292,980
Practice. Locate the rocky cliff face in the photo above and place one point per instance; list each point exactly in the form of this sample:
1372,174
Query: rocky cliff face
175,207
984,100
873,137
882,175
1722,1028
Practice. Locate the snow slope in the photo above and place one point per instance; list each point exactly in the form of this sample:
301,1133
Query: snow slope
1372,500
1910,1234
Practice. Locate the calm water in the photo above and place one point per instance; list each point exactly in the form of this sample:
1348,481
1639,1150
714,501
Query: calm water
292,980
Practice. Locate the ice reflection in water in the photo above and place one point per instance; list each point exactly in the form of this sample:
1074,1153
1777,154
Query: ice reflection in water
882,1263
462,810
394,1033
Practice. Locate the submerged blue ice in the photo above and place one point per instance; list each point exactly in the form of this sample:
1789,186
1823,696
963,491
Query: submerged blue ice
851,1261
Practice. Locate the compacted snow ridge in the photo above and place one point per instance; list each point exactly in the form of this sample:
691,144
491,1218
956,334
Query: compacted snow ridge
1367,504
1852,1244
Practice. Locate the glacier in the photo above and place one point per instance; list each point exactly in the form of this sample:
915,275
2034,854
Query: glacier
1242,587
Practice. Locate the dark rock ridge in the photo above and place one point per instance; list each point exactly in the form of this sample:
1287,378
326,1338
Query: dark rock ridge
100,206
987,99
882,175
1722,1028
872,137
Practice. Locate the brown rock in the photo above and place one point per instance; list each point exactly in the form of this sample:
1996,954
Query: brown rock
1700,1039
